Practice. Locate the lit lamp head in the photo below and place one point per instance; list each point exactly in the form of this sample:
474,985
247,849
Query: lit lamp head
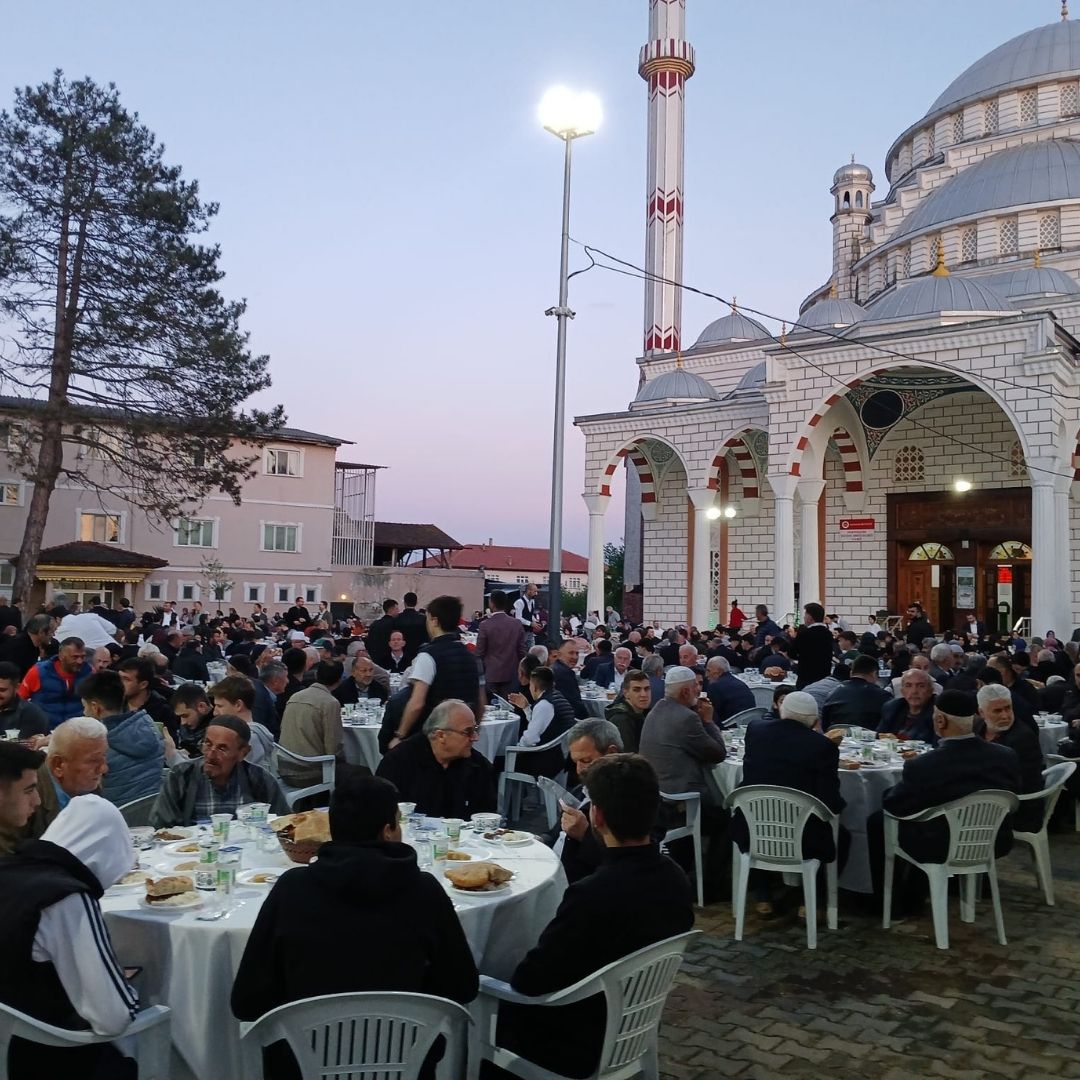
569,114
712,513
961,486
729,512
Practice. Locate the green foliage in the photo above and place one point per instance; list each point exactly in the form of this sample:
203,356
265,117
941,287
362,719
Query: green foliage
217,580
573,603
614,558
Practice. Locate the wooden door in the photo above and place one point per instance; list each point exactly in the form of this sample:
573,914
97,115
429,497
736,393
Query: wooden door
913,586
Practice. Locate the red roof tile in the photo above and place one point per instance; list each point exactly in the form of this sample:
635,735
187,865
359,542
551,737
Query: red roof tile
499,558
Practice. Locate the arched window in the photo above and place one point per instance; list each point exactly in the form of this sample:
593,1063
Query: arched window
908,465
1069,99
1049,230
969,244
931,552
847,200
1008,550
958,127
858,199
931,142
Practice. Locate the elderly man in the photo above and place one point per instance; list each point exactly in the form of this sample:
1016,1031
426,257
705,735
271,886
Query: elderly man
942,663
439,770
688,655
218,782
623,659
311,726
50,684
24,650
962,764
910,716
75,762
500,644
19,796
361,684
918,663
858,701
599,667
728,694
997,724
628,711
15,713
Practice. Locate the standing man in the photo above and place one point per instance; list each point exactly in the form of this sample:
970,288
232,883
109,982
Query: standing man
398,659
169,617
26,649
500,643
918,627
526,613
413,627
311,725
50,684
813,648
766,627
298,617
378,635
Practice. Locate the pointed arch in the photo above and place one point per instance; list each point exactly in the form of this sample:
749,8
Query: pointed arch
849,455
749,475
635,453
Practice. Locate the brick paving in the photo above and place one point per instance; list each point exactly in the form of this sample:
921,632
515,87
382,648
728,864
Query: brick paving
874,1004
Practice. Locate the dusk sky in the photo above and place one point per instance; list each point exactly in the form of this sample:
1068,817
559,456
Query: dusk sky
390,205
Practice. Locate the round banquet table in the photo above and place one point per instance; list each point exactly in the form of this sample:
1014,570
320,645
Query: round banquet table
362,744
862,790
1051,734
595,705
497,733
189,964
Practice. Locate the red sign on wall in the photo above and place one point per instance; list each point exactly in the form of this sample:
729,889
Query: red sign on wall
860,524
1004,575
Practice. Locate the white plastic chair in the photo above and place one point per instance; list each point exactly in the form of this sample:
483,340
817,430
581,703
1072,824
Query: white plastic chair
345,1036
1053,782
775,819
692,828
510,800
150,1030
973,823
741,719
634,988
1057,759
294,794
137,812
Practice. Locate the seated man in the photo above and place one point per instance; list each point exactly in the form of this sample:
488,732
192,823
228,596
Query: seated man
547,718
361,684
623,660
218,782
15,713
311,725
367,879
910,716
858,701
637,896
997,724
775,656
439,770
727,693
918,663
19,797
141,685
59,966
194,711
961,764
628,711
235,696
136,748
599,666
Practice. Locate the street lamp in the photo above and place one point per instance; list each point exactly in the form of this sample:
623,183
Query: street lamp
568,115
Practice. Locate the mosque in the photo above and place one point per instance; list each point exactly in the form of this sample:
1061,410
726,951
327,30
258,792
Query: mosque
914,436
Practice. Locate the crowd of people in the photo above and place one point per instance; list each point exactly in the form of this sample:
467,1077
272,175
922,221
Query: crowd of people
109,710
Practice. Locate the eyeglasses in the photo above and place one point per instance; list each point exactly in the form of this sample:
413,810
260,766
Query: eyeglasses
469,732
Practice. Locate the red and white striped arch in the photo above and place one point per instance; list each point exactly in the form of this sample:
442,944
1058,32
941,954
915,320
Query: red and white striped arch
646,479
849,453
745,462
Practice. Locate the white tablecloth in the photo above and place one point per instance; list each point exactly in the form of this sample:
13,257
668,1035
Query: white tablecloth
595,706
1051,735
362,745
497,734
190,965
862,790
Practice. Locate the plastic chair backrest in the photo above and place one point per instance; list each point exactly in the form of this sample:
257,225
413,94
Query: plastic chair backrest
512,752
1054,780
743,718
775,818
137,812
974,822
387,1035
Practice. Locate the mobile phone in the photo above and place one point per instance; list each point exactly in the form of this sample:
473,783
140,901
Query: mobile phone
131,972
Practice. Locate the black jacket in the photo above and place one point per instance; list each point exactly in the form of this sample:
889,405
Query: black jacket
378,639
813,648
639,897
264,709
20,651
189,664
895,720
855,702
339,926
1024,743
567,685
918,630
413,627
786,753
465,787
956,768
456,675
348,692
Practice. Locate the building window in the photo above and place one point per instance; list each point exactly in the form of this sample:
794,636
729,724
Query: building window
908,465
1010,549
933,243
105,446
522,579
155,590
187,590
1049,231
1069,99
11,494
931,552
8,434
905,263
1029,107
284,463
969,244
195,532
1017,464
958,127
990,118
283,593
1008,237
254,594
281,538
104,528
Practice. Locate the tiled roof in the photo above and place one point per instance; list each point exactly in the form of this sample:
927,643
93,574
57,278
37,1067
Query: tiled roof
91,553
525,559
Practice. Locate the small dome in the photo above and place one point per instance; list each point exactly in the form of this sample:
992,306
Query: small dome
1034,281
831,313
753,379
678,385
930,295
853,173
733,327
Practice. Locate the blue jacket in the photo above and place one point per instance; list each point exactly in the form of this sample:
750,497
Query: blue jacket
729,695
136,757
55,699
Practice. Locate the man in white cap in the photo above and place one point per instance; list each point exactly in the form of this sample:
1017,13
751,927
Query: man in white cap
59,965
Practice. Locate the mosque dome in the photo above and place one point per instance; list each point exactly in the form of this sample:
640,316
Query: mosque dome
753,379
831,313
733,327
677,385
1040,172
854,173
1034,281
1053,49
933,294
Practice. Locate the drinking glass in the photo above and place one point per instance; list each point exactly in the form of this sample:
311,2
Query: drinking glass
452,827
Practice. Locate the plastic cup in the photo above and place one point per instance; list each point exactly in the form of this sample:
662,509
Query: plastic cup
452,827
12,734
220,824
406,810
440,845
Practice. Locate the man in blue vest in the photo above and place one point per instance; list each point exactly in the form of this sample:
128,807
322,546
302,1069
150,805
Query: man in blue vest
50,684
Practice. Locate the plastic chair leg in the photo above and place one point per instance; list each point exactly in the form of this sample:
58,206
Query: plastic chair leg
1043,870
967,897
699,867
739,880
999,918
939,902
809,892
650,1061
886,907
831,915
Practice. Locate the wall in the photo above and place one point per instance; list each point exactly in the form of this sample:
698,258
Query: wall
751,544
367,588
665,598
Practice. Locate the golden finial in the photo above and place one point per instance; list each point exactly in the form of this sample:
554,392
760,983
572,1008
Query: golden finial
832,291
734,305
678,359
941,270
783,333
1038,258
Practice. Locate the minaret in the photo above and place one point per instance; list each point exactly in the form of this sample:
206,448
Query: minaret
852,189
666,62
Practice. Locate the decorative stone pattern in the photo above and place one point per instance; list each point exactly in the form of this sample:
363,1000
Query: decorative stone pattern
908,465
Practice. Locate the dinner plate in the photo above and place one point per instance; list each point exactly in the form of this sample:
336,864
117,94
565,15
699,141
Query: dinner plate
131,885
185,831
247,877
476,854
173,909
515,839
176,845
498,890
173,867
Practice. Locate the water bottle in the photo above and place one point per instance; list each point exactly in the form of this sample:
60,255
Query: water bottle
206,873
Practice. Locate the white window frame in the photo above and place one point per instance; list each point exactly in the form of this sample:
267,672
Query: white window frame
259,587
316,589
523,579
9,429
20,487
150,585
298,455
214,524
298,526
196,591
121,515
289,590
7,579
210,598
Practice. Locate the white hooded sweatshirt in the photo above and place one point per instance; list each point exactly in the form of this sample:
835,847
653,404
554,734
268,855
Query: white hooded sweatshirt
71,933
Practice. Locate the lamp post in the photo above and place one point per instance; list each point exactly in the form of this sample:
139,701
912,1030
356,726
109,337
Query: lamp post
568,115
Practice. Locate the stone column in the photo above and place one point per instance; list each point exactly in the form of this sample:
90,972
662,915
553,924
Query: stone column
784,545
1046,566
597,505
1064,625
810,492
701,600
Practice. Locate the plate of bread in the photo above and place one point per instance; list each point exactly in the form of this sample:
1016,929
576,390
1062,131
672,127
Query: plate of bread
301,835
262,875
478,878
182,848
173,892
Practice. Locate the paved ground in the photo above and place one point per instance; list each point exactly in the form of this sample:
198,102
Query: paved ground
872,1003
